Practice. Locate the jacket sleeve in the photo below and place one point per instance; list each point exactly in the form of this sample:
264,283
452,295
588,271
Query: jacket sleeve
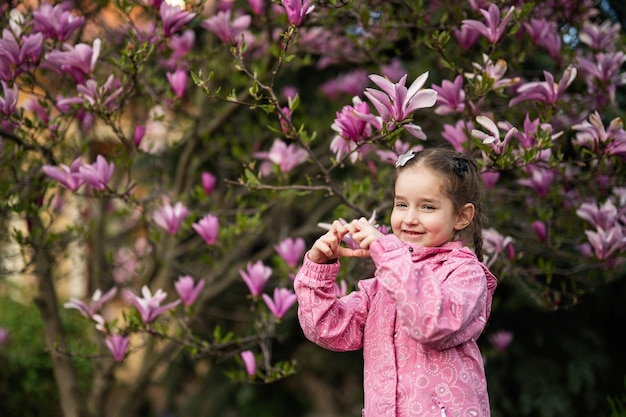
435,311
330,322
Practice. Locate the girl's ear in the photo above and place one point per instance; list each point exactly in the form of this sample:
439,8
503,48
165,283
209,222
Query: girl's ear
465,216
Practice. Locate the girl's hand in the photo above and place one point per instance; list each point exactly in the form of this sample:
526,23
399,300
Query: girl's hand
328,247
363,233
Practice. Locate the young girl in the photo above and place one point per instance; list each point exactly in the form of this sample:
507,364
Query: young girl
418,319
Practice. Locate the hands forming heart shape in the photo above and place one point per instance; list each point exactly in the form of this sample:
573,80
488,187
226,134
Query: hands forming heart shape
328,247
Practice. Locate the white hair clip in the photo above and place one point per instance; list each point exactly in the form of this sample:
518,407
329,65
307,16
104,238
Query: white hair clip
404,158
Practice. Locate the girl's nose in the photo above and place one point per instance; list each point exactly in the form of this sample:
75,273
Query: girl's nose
411,217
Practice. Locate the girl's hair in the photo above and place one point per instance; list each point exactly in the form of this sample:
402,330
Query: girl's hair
462,185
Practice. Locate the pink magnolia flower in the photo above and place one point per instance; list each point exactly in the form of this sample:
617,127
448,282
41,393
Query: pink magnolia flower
291,250
282,301
98,299
466,36
117,345
351,127
546,34
500,340
532,130
592,134
395,103
256,276
257,6
249,362
495,244
207,228
8,71
149,306
64,104
153,3
540,229
18,56
540,179
284,119
604,216
178,81
100,323
170,217
604,73
342,147
222,27
56,22
77,60
16,21
547,91
297,10
104,95
490,178
187,290
457,135
450,96
67,176
57,202
287,157
600,37
181,45
140,132
8,102
174,18
606,242
492,71
96,175
492,136
493,28
208,182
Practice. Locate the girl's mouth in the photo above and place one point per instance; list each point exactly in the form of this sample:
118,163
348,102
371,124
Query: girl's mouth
412,233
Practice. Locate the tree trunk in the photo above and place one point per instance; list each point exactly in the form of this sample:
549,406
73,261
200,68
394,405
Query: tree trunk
54,337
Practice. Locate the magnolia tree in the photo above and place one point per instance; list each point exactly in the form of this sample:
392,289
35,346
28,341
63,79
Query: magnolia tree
165,164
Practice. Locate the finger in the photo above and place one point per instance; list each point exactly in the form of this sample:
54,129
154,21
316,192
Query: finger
353,253
324,246
339,229
359,224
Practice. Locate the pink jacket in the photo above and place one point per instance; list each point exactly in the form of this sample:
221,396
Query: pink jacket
417,322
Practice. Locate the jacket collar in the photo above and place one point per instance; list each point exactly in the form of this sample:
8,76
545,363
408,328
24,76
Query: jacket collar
421,252
442,253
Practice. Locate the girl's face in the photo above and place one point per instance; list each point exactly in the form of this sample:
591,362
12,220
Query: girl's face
422,214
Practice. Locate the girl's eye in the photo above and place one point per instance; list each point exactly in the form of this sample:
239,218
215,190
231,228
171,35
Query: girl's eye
399,204
427,207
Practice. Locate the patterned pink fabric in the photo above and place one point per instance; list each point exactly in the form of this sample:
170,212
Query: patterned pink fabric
417,322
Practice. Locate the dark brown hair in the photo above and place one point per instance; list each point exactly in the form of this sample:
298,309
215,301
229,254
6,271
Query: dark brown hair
462,185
